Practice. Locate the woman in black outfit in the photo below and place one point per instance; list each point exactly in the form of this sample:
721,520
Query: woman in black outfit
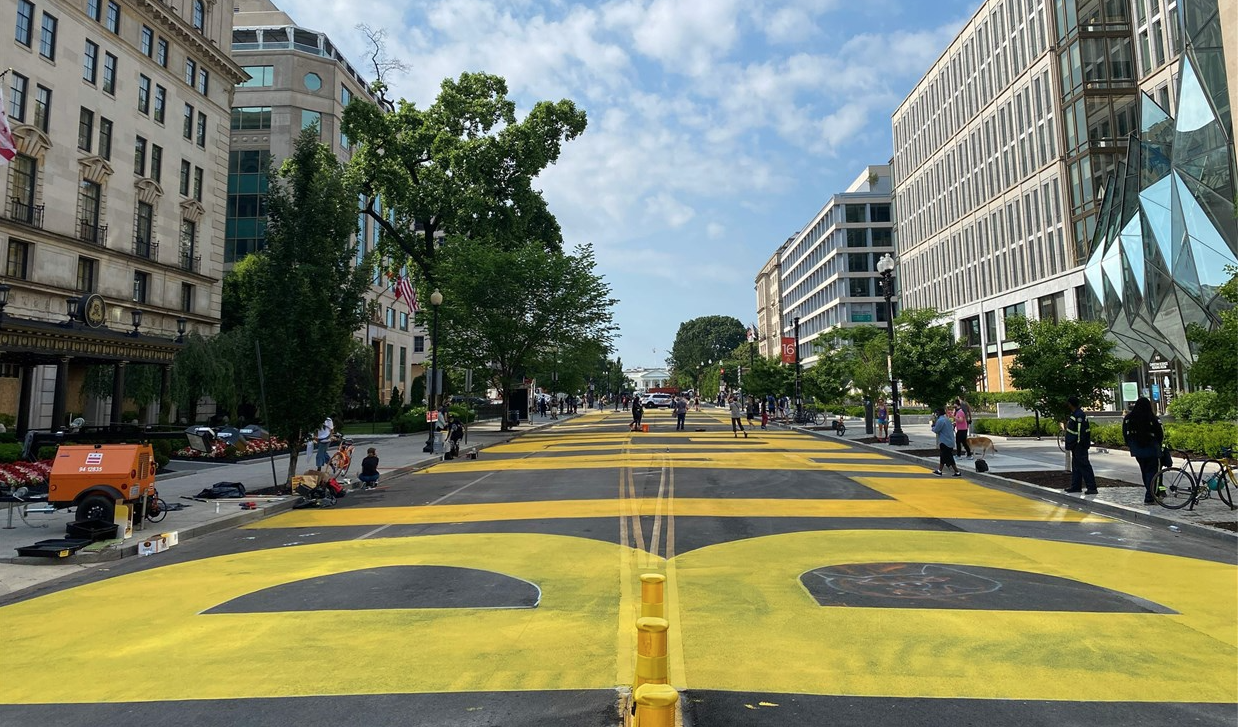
637,412
1144,437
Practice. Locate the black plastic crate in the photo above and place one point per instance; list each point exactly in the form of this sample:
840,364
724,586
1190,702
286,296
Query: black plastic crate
59,548
91,530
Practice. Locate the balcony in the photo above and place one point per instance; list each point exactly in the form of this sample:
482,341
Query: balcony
26,214
92,232
145,247
190,262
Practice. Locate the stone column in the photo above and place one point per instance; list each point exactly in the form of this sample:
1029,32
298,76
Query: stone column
62,392
24,398
118,392
165,394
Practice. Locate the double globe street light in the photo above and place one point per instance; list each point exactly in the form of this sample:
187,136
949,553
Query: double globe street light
436,299
885,266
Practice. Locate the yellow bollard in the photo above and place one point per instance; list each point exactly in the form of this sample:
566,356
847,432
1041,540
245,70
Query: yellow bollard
651,599
655,706
651,651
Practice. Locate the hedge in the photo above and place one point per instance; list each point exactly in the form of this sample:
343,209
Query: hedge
414,420
10,452
1021,427
1199,440
1201,406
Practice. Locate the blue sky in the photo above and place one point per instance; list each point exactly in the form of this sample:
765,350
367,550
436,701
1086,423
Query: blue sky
716,128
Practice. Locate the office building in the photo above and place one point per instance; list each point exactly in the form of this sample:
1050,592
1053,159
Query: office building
298,79
828,270
112,222
769,304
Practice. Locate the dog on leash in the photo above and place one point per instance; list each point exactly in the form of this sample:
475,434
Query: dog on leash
984,444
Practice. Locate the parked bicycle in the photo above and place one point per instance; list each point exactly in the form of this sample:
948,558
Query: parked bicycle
808,416
1185,485
156,508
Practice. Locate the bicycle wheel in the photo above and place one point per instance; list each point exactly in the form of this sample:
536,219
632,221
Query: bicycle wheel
1061,443
1174,487
158,512
819,418
1218,476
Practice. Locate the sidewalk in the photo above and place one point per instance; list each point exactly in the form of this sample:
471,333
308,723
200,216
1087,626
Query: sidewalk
397,454
1026,454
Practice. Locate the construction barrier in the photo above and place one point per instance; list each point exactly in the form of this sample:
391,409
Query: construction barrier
655,706
651,595
650,651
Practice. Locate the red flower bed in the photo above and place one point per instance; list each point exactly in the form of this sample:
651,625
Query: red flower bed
248,448
25,474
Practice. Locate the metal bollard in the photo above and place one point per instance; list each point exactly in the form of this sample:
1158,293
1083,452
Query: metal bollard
655,706
651,651
651,595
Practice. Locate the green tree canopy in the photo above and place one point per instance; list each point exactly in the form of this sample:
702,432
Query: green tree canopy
705,339
1216,357
932,366
507,306
464,166
309,290
1056,361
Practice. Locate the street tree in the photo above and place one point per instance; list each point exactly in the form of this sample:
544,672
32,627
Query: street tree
463,167
309,291
505,306
931,365
705,339
764,376
1056,361
859,361
1216,357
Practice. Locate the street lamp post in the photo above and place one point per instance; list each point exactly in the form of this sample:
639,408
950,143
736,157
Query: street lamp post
885,266
436,299
799,398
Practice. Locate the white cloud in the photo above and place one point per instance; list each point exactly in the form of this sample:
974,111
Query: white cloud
671,212
715,230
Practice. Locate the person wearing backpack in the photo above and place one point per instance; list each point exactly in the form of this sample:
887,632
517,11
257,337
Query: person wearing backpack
1078,440
1144,437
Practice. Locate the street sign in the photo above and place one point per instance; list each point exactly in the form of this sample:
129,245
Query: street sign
1156,392
1130,391
432,416
788,350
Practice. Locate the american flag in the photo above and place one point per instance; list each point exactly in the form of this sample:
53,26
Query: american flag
8,149
404,289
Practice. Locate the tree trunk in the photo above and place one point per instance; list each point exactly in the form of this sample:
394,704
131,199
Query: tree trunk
504,426
293,454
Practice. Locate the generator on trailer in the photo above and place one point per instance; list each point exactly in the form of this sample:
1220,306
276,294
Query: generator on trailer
95,478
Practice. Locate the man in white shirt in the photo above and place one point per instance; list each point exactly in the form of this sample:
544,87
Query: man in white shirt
322,439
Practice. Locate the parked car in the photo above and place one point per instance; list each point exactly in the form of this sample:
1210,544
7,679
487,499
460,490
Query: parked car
659,400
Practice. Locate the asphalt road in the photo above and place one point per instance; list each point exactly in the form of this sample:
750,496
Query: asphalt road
808,582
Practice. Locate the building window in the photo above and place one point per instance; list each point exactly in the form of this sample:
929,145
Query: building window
880,212
419,344
92,9
105,138
89,195
882,237
313,82
859,287
139,157
143,94
1050,307
857,238
390,319
47,38
251,118
201,135
186,298
143,226
389,361
185,167
199,14
161,97
857,262
191,72
204,81
189,243
854,213
42,107
141,286
109,73
90,61
345,95
187,127
113,17
247,186
148,42
403,321
990,326
197,183
403,364
86,274
259,77
311,118
161,53
22,187
969,331
156,163
25,22
18,262
17,97
85,129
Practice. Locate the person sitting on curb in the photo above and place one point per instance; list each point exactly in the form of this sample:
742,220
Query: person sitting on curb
369,469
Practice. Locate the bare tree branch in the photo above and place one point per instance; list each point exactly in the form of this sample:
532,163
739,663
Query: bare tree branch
384,64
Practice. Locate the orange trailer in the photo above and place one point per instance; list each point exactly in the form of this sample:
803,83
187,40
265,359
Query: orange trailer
96,477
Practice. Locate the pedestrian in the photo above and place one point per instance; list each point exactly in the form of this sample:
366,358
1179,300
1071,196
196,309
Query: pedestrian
752,410
960,432
369,469
321,439
696,402
764,415
1078,440
681,412
638,411
943,427
737,413
455,432
883,419
1145,438
962,404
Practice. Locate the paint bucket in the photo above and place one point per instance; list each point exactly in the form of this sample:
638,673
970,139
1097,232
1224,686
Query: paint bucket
644,428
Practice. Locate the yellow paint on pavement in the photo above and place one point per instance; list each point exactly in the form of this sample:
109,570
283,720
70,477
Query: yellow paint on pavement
752,460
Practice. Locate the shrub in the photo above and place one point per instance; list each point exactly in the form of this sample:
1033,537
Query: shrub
8,420
988,400
10,452
1202,439
163,452
230,452
1201,406
48,452
1021,427
413,420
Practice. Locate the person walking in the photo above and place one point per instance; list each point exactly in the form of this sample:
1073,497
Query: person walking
638,411
883,417
321,440
943,427
737,414
764,416
960,432
1078,440
681,412
1144,437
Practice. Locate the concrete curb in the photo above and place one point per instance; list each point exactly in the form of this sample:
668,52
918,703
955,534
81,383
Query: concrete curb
1057,496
